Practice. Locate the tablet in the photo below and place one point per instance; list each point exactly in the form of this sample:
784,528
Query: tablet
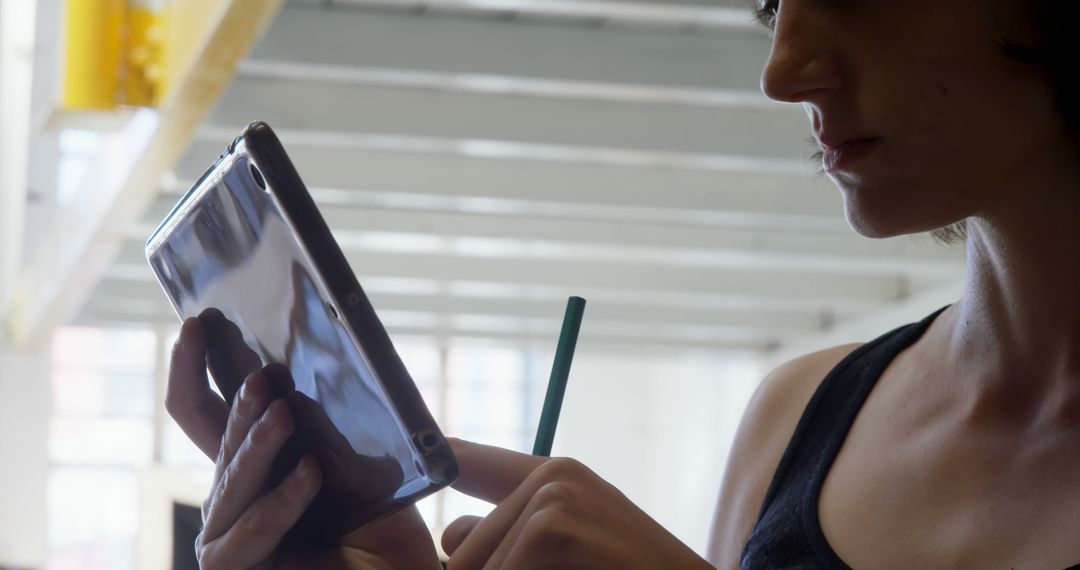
247,252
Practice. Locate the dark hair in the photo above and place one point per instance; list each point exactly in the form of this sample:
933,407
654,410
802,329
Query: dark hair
1059,56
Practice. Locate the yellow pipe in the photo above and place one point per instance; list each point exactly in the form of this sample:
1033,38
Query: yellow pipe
93,54
144,72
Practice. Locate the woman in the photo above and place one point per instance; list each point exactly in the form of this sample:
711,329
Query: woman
949,443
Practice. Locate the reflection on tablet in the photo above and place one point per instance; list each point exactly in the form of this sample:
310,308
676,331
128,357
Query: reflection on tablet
231,259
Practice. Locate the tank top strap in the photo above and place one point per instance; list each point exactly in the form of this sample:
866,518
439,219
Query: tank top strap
788,532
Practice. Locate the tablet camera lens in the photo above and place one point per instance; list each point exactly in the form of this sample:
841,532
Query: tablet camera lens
425,440
257,176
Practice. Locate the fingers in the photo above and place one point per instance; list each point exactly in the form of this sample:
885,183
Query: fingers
495,475
245,476
199,411
311,416
259,530
491,473
324,440
457,531
251,403
541,519
279,379
542,486
229,358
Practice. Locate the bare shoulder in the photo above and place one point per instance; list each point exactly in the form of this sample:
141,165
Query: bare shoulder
764,432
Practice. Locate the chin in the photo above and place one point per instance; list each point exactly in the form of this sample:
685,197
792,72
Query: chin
899,208
882,224
872,231
868,222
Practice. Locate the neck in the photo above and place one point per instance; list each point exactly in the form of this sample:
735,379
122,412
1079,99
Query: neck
1014,341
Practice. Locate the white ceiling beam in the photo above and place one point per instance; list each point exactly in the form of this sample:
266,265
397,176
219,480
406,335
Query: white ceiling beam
660,193
346,174
482,83
728,59
659,245
346,163
826,289
586,274
527,236
147,295
761,307
674,14
726,137
535,151
540,334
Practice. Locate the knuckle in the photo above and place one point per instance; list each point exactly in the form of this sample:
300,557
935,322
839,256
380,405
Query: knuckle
177,352
256,523
236,413
207,506
247,404
268,429
183,408
555,493
563,468
224,454
260,435
202,551
226,488
548,529
210,562
294,495
228,450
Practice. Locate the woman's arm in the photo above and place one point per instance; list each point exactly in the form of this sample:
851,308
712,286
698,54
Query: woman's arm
763,435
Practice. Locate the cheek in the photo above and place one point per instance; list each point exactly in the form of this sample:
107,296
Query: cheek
982,108
959,123
958,142
971,154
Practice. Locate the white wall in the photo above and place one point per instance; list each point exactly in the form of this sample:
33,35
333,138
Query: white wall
25,407
659,427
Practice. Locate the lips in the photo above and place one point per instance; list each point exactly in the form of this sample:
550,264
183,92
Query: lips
844,153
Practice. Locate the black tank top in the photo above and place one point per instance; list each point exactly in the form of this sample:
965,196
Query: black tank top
788,532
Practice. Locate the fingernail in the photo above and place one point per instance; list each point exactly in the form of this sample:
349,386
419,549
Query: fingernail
272,416
299,484
303,469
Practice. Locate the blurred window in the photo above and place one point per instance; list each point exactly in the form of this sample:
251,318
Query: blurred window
101,434
102,429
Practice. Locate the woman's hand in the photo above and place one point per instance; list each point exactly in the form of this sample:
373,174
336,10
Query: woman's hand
552,513
246,519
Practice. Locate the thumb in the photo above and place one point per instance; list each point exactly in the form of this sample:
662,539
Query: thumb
490,473
457,531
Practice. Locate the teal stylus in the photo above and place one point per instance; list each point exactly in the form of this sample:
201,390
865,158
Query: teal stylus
560,372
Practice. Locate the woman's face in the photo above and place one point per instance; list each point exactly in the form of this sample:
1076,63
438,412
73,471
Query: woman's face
955,127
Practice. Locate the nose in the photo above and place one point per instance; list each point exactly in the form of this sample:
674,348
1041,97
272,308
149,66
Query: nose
802,64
